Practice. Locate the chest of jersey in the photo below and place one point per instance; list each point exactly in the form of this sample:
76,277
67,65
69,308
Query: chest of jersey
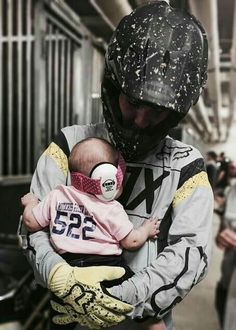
149,190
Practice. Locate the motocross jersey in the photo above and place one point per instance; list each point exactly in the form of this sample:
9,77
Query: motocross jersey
170,184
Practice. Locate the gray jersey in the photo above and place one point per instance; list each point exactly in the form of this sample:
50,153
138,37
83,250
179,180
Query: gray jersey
170,184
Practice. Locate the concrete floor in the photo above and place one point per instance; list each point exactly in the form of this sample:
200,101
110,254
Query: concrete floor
197,309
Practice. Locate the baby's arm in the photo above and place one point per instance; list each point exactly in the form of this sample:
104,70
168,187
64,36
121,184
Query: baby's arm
137,237
29,201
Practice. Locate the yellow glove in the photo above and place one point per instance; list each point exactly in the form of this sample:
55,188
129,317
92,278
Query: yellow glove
84,300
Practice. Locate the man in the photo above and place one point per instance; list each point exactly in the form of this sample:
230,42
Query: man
226,240
152,77
223,173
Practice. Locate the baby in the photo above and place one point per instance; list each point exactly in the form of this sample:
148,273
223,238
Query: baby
84,218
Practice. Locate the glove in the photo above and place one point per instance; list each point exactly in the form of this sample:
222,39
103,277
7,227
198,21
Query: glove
84,300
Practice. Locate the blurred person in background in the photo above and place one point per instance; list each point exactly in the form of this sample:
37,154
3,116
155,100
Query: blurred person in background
226,240
230,315
222,181
212,168
223,173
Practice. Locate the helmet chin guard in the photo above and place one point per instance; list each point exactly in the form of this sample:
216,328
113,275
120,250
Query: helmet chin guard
104,182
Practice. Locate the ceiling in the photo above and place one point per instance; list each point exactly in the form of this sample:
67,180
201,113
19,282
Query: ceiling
212,117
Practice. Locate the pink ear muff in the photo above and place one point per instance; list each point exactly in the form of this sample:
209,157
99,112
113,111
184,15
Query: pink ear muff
105,180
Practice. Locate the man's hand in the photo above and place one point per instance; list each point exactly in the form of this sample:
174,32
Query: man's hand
226,239
84,300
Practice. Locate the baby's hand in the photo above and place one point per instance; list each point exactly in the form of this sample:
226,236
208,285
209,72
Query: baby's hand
29,199
152,226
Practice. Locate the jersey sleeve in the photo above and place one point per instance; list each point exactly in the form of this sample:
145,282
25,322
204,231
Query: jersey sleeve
184,261
119,223
51,170
42,211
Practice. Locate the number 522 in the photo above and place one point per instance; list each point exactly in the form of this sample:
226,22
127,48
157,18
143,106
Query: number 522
61,227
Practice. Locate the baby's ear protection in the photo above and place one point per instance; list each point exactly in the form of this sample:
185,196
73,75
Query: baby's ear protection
106,174
104,182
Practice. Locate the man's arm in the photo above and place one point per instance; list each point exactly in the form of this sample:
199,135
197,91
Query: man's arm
184,261
51,170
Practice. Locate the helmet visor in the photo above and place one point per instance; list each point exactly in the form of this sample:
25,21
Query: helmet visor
135,127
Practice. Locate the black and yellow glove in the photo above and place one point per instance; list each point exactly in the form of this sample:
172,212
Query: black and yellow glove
84,300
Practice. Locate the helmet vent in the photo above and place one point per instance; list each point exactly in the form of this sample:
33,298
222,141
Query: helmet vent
165,63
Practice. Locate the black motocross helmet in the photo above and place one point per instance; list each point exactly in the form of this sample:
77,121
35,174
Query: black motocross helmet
157,56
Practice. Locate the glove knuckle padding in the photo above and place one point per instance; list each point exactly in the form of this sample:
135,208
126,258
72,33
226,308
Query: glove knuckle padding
90,300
